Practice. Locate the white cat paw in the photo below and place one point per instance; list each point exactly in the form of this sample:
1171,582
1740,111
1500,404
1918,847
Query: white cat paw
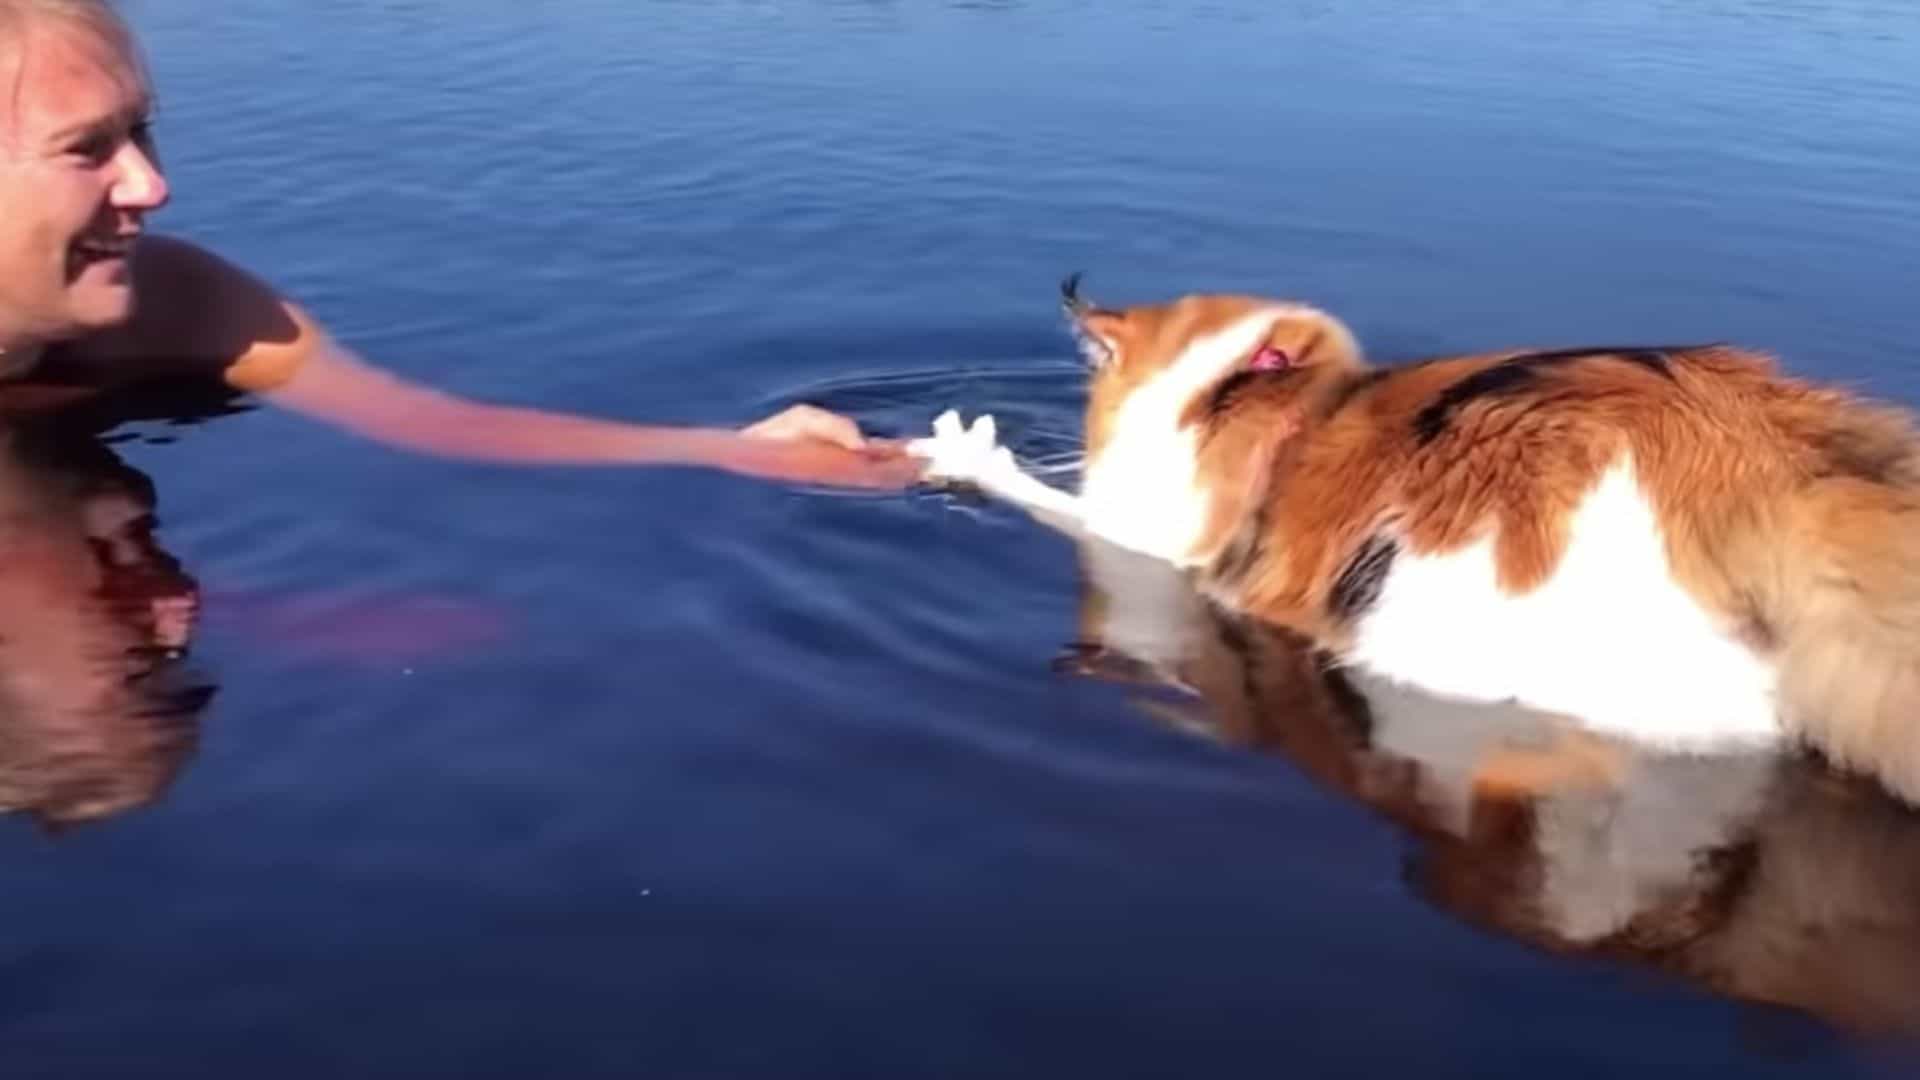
962,454
972,456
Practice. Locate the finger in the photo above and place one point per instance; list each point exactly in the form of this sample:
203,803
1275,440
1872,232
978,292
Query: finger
888,450
809,422
835,429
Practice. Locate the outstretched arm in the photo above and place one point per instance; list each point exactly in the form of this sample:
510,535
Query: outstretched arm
199,313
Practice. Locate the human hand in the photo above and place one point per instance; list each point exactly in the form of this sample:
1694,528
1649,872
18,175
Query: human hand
808,422
882,464
810,444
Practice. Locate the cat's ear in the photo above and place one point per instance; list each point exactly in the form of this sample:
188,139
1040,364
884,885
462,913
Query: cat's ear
1306,337
1099,333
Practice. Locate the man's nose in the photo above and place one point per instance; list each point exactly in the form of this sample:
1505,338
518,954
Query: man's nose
140,185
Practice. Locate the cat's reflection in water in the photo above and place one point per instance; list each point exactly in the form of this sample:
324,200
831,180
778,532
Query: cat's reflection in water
1764,877
98,711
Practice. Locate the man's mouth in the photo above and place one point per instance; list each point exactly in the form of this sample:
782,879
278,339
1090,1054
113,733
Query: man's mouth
100,248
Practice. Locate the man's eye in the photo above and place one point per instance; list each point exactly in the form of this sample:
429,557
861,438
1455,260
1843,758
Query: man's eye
93,148
101,146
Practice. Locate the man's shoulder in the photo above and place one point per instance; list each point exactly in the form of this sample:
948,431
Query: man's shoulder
187,300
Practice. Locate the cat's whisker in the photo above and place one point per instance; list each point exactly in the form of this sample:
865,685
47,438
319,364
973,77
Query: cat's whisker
1051,467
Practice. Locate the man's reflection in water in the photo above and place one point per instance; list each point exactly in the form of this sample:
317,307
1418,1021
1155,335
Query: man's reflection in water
1762,877
97,709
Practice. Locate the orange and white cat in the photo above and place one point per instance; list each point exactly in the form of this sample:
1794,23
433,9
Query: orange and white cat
1679,545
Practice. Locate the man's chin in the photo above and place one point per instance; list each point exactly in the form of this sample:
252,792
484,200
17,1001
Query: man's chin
103,309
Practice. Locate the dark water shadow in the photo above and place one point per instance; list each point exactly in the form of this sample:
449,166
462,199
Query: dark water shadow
1762,877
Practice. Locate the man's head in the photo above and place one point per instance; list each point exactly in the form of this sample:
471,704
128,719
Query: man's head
77,169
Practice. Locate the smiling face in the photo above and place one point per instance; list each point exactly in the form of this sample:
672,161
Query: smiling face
77,177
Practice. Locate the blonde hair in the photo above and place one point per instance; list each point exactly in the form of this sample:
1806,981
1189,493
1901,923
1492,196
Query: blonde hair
98,19
95,15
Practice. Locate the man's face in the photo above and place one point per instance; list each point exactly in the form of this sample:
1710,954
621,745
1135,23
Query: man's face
77,176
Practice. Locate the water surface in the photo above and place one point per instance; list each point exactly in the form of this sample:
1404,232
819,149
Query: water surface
513,772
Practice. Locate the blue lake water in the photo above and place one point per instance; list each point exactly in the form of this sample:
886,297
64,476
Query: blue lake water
604,772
